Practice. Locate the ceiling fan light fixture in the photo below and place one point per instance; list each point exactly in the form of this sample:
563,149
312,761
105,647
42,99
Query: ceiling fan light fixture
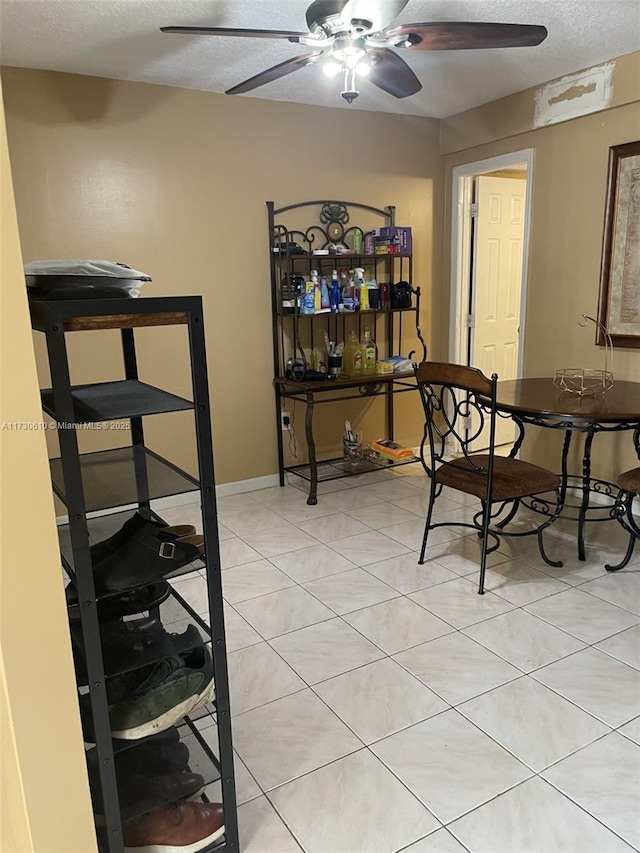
331,68
348,49
350,91
363,68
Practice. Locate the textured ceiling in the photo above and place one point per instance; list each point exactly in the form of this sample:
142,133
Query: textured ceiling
121,39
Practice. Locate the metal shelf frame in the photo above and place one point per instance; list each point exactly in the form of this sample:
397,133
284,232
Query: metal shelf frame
332,224
55,319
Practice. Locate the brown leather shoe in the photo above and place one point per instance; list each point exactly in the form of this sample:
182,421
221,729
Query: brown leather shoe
181,828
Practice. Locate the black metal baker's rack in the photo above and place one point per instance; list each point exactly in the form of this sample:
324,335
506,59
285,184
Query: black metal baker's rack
326,224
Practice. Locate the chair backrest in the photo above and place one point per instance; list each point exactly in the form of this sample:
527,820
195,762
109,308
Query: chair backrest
458,403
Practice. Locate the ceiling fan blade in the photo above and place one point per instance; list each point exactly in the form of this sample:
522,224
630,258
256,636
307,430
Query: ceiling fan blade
379,12
275,72
458,35
236,33
391,73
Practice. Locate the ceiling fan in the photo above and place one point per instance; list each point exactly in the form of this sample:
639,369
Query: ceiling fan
352,37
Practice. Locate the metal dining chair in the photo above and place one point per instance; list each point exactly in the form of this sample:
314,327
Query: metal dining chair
629,484
458,403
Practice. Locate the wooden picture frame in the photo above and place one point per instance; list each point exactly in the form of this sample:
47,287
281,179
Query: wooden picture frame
619,298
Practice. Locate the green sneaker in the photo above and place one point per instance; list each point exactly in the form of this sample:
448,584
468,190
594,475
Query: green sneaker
177,686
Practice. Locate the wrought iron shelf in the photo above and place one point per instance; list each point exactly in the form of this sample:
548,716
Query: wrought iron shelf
297,230
378,312
335,469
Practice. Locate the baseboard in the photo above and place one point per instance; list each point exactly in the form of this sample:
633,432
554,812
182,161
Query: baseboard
222,491
252,485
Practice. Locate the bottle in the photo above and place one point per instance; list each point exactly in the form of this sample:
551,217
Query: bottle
334,295
348,298
349,353
385,294
370,353
317,297
357,242
309,301
358,359
373,294
363,293
325,302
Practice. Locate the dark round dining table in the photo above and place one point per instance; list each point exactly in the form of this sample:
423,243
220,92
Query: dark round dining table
539,402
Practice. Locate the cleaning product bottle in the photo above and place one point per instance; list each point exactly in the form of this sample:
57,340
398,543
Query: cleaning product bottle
362,289
325,302
317,296
348,298
334,295
370,353
309,301
349,353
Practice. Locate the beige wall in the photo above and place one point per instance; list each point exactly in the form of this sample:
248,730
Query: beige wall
45,799
173,182
569,182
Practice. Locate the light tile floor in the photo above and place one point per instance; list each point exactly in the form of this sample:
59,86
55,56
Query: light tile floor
383,706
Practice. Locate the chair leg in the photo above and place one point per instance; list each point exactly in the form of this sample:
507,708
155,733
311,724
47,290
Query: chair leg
512,512
627,556
486,509
555,563
630,525
432,499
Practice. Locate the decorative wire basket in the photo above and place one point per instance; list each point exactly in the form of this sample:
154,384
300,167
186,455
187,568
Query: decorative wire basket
587,381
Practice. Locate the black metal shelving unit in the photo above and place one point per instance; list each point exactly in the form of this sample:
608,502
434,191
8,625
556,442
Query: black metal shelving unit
129,478
327,222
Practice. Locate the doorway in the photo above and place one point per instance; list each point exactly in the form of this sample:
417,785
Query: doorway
490,239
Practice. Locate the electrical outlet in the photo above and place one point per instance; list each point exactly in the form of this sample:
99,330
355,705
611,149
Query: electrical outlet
285,421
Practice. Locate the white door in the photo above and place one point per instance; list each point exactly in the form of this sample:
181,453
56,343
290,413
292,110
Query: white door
496,285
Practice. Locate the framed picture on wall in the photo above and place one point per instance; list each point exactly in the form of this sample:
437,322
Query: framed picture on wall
619,300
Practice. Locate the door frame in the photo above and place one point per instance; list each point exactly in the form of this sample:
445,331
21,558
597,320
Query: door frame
461,234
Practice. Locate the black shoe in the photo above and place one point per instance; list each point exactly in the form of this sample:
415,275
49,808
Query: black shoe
129,644
139,793
124,604
144,558
156,644
101,550
151,756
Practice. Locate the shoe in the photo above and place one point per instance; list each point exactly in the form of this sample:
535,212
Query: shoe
155,644
176,687
151,756
183,828
154,755
101,550
138,794
144,558
125,604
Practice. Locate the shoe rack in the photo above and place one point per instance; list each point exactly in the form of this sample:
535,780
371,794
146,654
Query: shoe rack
132,633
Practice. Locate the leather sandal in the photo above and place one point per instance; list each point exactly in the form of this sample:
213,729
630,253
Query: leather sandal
146,557
101,550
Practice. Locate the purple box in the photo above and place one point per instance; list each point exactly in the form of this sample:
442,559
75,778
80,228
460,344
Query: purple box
394,234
